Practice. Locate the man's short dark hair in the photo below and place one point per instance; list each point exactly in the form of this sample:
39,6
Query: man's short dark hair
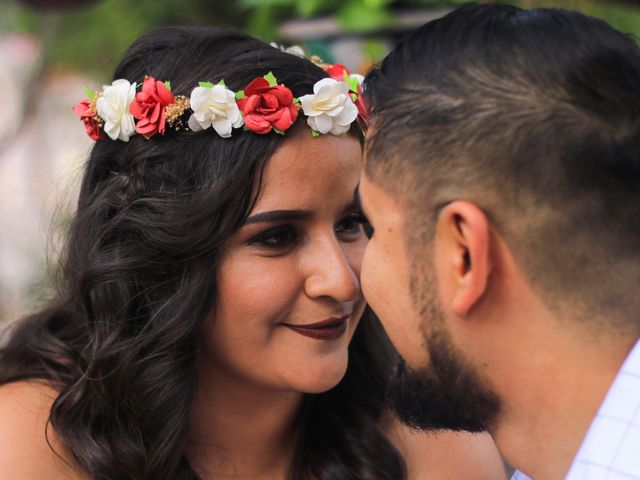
534,115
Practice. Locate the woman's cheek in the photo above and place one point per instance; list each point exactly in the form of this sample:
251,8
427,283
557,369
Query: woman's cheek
253,283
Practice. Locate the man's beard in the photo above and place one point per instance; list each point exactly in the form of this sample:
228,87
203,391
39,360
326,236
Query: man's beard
448,394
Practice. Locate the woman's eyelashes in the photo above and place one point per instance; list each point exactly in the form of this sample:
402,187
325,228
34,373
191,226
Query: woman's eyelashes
276,238
281,238
351,225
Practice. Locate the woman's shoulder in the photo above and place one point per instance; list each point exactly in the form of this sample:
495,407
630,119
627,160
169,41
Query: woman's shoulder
28,446
446,455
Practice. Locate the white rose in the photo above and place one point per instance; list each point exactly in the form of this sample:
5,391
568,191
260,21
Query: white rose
214,107
113,107
330,108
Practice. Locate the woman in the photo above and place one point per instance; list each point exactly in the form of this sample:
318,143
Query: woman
209,321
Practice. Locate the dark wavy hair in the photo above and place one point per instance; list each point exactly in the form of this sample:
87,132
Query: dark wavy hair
121,338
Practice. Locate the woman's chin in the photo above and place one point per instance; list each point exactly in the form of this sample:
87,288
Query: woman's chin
320,378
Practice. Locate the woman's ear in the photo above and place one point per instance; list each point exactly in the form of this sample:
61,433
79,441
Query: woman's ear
462,256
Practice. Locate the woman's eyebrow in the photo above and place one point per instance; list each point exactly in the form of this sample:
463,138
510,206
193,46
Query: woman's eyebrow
278,216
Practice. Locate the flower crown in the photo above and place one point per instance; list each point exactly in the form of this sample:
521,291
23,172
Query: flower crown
119,111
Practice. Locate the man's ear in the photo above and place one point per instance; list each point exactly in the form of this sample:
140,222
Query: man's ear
462,256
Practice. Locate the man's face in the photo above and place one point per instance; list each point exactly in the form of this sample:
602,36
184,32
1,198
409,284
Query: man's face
435,387
386,274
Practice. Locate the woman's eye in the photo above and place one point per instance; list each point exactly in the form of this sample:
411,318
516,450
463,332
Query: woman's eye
276,238
352,224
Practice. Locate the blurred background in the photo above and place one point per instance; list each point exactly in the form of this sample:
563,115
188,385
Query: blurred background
51,49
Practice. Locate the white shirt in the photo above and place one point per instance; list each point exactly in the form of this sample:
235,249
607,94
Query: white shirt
611,448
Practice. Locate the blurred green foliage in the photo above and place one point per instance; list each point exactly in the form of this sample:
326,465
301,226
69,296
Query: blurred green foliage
93,38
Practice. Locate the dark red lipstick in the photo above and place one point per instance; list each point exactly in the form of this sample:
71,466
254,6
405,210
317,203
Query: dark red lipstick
329,329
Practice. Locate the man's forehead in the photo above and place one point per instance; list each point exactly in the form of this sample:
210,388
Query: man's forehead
376,200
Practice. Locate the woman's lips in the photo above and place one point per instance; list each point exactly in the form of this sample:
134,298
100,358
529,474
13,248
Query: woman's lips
330,329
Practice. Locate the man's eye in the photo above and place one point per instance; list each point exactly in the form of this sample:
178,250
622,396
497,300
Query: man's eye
276,238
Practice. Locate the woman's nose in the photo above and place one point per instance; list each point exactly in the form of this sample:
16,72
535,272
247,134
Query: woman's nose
329,274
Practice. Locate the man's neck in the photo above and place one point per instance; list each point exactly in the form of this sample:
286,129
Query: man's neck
549,404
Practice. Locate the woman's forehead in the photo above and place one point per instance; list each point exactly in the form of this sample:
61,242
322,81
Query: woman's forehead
307,170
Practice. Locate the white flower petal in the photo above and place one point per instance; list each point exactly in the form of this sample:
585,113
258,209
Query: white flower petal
348,114
194,124
216,110
112,130
308,105
236,119
340,129
324,123
311,121
325,93
113,106
337,110
132,94
215,106
222,127
127,127
199,96
325,82
329,109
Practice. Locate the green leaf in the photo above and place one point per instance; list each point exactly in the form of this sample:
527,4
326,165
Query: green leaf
296,101
270,77
206,84
352,82
221,82
168,85
315,133
240,95
354,97
90,93
279,132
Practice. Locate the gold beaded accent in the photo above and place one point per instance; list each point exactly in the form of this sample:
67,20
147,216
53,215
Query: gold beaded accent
315,59
94,112
173,113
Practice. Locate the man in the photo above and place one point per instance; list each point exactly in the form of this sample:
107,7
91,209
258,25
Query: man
502,181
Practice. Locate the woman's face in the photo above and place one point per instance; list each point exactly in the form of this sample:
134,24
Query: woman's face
289,296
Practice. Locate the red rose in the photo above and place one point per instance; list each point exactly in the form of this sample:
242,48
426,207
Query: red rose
149,107
87,112
266,107
337,71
